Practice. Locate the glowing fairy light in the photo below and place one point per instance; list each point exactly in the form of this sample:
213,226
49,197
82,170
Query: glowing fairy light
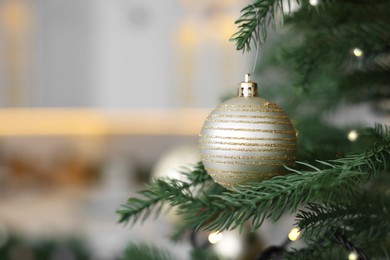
353,135
215,237
294,234
314,2
353,256
357,52
230,246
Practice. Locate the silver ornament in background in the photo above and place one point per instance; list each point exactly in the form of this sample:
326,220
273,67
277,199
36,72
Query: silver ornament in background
246,139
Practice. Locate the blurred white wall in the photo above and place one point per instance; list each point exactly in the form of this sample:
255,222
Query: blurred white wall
132,52
118,53
62,40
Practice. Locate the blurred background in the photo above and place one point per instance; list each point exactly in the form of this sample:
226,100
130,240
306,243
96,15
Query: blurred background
99,96
96,97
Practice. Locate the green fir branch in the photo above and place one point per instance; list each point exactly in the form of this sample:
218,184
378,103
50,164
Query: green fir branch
365,219
339,181
334,30
271,198
159,191
254,20
322,248
334,14
182,227
354,216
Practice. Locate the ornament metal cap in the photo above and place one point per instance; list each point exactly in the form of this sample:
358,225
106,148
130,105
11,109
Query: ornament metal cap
247,88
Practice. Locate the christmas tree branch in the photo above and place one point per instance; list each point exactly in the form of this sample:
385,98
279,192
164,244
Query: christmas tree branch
271,198
252,25
340,180
162,190
365,219
359,214
332,245
343,13
324,55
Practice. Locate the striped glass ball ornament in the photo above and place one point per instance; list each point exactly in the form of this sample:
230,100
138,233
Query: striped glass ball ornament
247,139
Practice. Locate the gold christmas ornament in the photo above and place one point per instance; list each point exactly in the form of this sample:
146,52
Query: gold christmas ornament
246,138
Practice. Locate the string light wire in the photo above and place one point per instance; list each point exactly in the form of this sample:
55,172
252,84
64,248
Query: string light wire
257,45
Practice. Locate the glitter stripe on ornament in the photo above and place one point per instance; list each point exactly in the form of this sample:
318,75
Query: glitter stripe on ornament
248,144
246,163
268,110
248,116
241,157
240,172
292,132
265,105
235,177
242,176
249,138
217,148
251,122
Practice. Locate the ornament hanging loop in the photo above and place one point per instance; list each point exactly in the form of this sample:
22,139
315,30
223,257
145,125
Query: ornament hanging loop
247,88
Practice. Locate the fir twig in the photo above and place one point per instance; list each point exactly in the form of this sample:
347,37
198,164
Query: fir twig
361,214
364,219
161,191
252,25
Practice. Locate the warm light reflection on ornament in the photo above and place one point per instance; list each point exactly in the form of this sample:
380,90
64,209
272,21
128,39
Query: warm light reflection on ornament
294,234
357,52
353,256
314,2
215,237
230,246
353,135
